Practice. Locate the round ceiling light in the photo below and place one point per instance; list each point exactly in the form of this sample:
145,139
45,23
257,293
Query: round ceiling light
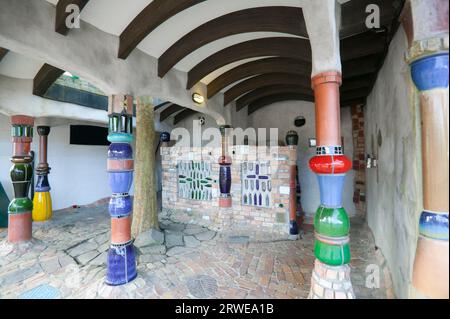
198,98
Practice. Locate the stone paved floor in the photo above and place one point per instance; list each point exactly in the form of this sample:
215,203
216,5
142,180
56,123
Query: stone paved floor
68,254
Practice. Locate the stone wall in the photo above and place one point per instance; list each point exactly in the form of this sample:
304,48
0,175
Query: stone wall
274,219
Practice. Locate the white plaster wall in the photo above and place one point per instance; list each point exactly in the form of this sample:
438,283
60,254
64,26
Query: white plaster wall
394,188
78,172
281,115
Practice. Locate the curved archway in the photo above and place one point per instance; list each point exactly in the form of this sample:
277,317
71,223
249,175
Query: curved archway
265,80
288,20
266,91
296,48
157,12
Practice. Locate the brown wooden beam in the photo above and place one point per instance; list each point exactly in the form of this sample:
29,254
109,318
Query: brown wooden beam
61,14
278,46
169,111
183,115
262,66
46,76
155,14
266,80
281,19
352,102
355,94
159,106
3,52
262,92
268,100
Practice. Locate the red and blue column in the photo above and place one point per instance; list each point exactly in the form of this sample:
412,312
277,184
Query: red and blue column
331,274
21,207
225,199
121,262
431,266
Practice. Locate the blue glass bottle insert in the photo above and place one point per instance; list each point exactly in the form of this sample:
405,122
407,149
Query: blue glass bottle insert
256,184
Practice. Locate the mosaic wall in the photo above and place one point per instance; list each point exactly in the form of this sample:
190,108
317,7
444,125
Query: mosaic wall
256,184
194,180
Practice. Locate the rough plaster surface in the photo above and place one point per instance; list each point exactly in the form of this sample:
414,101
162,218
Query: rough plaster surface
282,115
99,65
394,188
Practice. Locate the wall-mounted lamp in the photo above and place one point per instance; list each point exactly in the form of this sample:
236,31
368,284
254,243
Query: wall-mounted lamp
198,98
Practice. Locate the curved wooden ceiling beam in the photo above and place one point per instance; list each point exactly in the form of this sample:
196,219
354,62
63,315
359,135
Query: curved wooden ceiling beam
62,14
3,52
262,66
169,111
262,92
352,68
288,20
183,115
156,13
46,76
265,80
268,100
159,106
278,46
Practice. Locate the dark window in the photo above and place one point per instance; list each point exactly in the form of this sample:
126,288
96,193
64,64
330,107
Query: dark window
88,135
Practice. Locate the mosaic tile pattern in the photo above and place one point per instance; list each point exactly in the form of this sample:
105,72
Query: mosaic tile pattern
256,184
194,180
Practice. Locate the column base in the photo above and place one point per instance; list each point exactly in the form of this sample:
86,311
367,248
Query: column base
20,227
121,264
331,282
293,227
225,202
42,207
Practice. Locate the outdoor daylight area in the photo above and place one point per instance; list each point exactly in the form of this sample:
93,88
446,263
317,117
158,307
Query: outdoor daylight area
224,158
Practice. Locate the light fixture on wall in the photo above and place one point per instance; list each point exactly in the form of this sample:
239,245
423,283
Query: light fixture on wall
198,98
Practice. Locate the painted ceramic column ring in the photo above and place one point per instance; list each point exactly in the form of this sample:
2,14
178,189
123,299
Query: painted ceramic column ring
225,199
121,262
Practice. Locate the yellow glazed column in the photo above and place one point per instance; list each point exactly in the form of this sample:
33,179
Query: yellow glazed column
42,201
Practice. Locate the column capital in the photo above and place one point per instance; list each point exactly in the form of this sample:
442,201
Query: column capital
22,120
43,130
326,77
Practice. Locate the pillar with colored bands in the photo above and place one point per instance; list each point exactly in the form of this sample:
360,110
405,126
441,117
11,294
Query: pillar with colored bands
292,142
331,274
431,265
20,208
121,262
225,199
42,201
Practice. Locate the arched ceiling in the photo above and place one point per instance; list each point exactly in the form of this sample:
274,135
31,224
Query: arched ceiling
223,43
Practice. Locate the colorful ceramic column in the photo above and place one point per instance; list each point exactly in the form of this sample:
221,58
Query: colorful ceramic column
292,142
331,274
42,201
225,170
164,137
431,267
20,208
121,263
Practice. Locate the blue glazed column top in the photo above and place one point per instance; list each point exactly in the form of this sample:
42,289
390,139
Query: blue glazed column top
431,72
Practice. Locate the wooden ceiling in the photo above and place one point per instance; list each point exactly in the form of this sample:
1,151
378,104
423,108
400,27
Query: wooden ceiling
283,68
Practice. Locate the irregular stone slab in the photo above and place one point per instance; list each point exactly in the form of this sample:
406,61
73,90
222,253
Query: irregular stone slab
208,235
50,265
155,250
87,257
99,260
19,275
144,259
150,237
194,229
174,227
83,248
178,250
173,239
191,241
238,239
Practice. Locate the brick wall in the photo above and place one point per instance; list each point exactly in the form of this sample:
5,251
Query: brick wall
274,219
359,164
